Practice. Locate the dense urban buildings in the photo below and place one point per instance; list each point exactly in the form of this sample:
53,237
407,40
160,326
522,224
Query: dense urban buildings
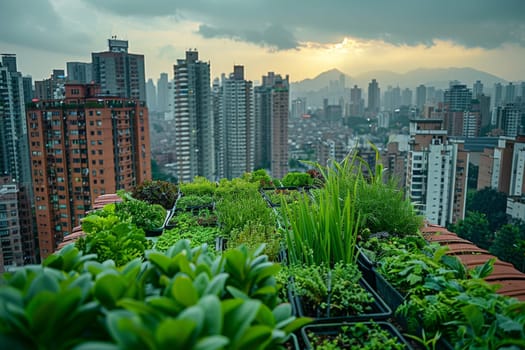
85,145
118,72
193,118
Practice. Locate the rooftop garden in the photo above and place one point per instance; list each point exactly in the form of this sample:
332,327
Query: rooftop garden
328,259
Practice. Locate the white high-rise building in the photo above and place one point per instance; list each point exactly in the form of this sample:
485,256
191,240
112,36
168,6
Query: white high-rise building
437,170
192,113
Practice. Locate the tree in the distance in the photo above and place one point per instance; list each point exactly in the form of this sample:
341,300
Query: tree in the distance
475,228
509,245
491,203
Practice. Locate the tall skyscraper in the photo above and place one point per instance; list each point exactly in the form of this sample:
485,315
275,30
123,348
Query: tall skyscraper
458,100
79,72
118,72
162,93
236,121
151,95
373,97
81,147
271,124
477,89
299,107
498,95
27,82
421,97
194,149
14,154
356,102
510,93
406,97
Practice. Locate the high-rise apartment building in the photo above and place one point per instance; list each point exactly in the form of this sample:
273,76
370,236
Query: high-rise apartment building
406,97
118,72
373,97
151,95
271,124
299,107
193,119
79,72
51,88
81,147
477,89
510,118
458,100
356,102
27,82
510,93
437,171
421,97
162,93
237,124
17,246
498,95
14,154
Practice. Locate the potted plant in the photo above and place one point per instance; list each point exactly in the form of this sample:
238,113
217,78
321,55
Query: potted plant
353,335
334,294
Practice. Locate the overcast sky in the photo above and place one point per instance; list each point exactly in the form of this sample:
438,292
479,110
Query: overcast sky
298,37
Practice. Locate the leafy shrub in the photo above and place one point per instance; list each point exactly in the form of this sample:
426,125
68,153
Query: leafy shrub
157,192
112,239
146,216
297,179
200,186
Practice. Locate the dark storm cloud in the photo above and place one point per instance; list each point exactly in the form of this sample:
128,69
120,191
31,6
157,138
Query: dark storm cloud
36,24
272,36
285,23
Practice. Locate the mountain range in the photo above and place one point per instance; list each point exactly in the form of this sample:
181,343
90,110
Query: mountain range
437,77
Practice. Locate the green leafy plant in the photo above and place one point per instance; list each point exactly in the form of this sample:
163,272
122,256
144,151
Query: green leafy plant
254,234
149,217
109,238
194,200
324,228
159,192
360,335
200,186
330,292
187,227
297,179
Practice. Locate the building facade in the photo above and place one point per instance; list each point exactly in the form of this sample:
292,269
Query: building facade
81,147
237,122
193,119
437,171
118,72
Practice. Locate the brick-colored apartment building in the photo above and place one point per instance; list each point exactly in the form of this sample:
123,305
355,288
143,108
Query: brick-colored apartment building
81,147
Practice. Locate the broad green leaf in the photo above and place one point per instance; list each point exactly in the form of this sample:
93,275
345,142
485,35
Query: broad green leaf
160,260
214,342
216,285
175,334
266,317
239,317
474,318
183,291
45,281
94,345
213,318
282,311
255,337
109,289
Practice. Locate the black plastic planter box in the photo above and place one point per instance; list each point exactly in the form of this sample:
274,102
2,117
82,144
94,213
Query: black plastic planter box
366,267
333,329
390,294
380,310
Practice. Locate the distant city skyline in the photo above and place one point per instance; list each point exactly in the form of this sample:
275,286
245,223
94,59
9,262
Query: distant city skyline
302,39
